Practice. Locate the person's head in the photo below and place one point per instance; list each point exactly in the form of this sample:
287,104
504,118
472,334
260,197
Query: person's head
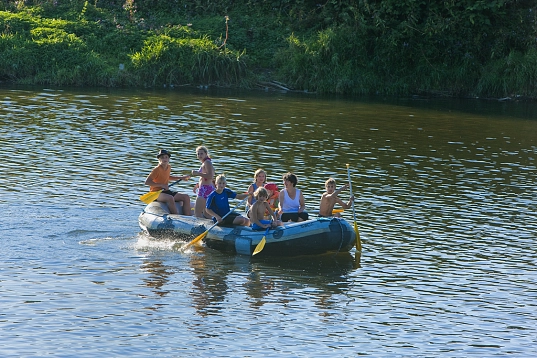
260,175
220,182
261,194
330,185
202,152
163,156
272,189
290,177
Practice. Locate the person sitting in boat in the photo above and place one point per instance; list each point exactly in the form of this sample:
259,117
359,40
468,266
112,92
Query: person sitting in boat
158,180
259,209
218,204
205,185
273,194
292,203
260,177
330,198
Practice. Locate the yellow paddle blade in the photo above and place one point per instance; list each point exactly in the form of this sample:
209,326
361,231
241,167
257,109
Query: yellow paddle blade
150,197
358,241
196,239
335,211
259,246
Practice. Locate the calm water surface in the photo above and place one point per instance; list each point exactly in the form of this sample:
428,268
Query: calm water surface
446,206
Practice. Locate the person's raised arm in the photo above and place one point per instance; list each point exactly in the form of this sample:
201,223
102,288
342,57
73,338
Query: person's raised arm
335,193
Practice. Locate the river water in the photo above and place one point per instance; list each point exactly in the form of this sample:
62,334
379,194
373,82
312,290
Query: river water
446,194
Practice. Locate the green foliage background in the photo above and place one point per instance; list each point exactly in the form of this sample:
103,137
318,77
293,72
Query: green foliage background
450,47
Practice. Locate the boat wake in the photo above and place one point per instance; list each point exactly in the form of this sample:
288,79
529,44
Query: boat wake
146,242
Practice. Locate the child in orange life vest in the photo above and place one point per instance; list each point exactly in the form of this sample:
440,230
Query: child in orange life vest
158,180
330,198
258,210
273,194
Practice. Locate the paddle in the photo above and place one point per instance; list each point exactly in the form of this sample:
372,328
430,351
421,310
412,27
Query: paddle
261,244
201,236
150,197
334,211
358,241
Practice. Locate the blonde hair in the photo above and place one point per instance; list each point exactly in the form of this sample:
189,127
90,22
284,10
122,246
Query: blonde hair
204,148
260,191
221,177
330,181
259,171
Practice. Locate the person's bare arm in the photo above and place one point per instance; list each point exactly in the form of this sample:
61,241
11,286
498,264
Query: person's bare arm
149,181
302,203
271,213
182,177
206,171
242,196
212,214
336,192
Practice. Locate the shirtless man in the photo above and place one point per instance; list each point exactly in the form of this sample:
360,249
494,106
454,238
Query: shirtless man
330,198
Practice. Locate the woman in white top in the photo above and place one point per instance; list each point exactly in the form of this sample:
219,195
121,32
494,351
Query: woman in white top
291,201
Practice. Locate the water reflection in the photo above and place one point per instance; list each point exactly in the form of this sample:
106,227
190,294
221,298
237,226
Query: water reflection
157,276
209,287
268,281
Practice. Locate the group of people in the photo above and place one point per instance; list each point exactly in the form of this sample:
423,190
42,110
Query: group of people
266,206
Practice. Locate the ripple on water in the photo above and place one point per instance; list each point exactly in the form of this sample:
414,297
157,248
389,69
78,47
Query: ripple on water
445,204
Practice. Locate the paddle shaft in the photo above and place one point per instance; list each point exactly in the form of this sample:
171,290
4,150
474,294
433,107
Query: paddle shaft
358,241
159,191
175,182
207,231
153,195
350,189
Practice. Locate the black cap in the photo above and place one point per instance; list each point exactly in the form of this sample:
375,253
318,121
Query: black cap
163,152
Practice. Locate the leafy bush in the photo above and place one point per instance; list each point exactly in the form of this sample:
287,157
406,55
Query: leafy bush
464,47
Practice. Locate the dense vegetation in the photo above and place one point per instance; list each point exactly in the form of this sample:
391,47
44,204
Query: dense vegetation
449,47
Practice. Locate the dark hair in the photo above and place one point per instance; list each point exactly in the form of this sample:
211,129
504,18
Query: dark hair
291,177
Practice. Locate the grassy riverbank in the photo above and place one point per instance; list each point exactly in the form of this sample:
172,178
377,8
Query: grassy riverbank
399,47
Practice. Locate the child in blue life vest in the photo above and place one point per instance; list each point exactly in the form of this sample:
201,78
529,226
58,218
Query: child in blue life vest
218,205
